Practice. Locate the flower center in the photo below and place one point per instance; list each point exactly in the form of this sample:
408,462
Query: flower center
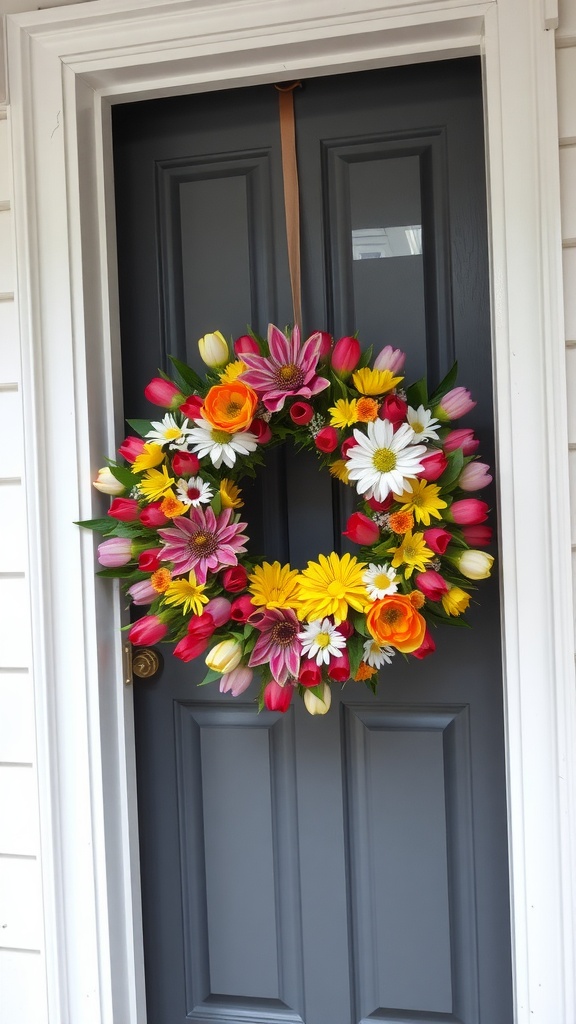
336,589
283,633
203,544
193,493
384,460
322,640
391,616
171,433
220,436
417,427
381,581
233,408
289,377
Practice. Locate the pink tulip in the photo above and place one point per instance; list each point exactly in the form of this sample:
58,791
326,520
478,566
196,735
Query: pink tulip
477,536
149,560
163,392
339,669
236,681
142,592
394,409
276,697
310,673
433,466
474,476
467,512
246,344
148,630
125,509
115,552
426,647
260,430
152,515
324,346
235,579
185,464
326,440
131,448
241,609
301,413
361,530
190,647
462,438
437,539
345,356
431,584
192,407
454,405
219,609
389,358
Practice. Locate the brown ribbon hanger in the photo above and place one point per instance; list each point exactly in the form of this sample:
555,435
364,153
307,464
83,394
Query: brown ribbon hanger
291,192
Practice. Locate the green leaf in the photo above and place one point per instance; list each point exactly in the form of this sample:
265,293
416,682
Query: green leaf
124,476
365,358
318,691
189,375
355,648
216,503
142,427
417,394
210,676
445,386
121,572
99,525
453,469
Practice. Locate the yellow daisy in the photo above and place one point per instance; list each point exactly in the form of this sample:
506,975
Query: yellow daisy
155,484
344,413
330,586
231,372
339,469
274,586
413,553
151,456
187,592
230,494
423,501
374,382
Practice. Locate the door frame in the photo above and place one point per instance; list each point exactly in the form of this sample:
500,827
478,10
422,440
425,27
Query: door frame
67,66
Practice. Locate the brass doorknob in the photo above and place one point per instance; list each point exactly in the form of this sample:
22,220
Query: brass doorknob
146,662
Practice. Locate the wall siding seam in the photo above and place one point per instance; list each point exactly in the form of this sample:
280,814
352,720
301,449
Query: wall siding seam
567,140
563,42
569,243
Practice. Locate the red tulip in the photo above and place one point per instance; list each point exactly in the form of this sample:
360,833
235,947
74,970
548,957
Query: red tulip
235,579
149,560
325,345
467,512
432,585
276,697
433,466
394,409
326,440
241,608
201,626
190,647
347,445
185,464
310,673
380,506
462,438
362,530
426,647
163,392
345,356
301,413
131,448
152,515
148,630
192,407
261,430
125,509
346,628
437,539
339,668
246,344
477,536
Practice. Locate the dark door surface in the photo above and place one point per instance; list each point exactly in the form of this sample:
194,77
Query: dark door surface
352,867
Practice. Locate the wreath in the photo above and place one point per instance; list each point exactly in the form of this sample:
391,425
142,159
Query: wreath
174,534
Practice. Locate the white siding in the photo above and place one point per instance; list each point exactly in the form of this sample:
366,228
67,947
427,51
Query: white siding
22,967
566,79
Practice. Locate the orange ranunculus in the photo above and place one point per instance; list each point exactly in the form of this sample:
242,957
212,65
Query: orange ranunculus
394,622
230,407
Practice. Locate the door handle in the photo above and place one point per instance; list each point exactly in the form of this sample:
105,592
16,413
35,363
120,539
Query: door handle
144,662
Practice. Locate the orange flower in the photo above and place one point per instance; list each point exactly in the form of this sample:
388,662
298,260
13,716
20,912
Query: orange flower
161,580
366,410
394,622
230,407
416,598
400,522
172,507
364,672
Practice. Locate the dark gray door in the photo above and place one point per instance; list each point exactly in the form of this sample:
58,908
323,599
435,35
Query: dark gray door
352,867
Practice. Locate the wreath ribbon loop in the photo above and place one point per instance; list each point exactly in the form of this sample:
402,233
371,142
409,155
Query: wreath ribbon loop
291,192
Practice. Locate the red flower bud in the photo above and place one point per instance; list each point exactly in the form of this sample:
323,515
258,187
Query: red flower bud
185,464
192,407
152,515
219,609
462,438
432,585
201,626
380,506
276,697
339,668
433,466
163,392
426,647
241,608
148,630
394,409
477,536
346,628
246,344
190,647
437,539
362,530
347,445
467,512
261,430
345,356
326,439
235,579
149,560
301,413
310,673
325,345
125,509
131,448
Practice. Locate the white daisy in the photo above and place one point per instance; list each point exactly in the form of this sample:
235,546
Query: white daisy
382,461
380,581
376,656
221,446
168,432
194,491
423,423
321,641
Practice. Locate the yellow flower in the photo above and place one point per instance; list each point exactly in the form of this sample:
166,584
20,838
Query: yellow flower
225,656
230,494
155,484
232,371
187,592
413,553
423,501
330,586
455,601
214,350
172,507
151,456
344,413
374,382
274,586
339,469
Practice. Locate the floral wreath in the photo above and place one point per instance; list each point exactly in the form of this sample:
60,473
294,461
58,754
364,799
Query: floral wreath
175,537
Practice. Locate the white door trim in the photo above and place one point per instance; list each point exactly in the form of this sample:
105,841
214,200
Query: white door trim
66,65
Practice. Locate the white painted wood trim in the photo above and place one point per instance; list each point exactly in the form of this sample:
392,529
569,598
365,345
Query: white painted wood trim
66,67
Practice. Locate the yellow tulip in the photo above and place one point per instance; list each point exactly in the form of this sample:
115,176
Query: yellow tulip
107,482
225,656
214,350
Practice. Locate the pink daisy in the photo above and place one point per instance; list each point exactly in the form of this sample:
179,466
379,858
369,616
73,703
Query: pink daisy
278,643
204,542
290,369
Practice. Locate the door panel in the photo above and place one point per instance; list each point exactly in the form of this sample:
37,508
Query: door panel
351,867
